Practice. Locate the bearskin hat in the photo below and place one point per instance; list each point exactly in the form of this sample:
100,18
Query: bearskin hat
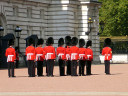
11,42
50,41
74,41
46,42
107,42
81,42
68,40
89,43
60,42
40,41
30,41
16,48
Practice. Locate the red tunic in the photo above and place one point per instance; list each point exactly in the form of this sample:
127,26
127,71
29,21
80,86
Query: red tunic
40,54
50,52
61,53
68,53
10,54
89,54
74,53
30,53
82,54
107,52
45,50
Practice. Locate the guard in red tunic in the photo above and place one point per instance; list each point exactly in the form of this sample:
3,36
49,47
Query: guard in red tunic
107,52
82,57
74,56
11,57
89,57
61,56
31,57
40,53
50,56
68,54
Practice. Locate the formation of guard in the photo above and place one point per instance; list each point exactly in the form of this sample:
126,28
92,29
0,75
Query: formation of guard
70,55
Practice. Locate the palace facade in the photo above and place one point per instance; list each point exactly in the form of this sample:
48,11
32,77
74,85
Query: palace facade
56,18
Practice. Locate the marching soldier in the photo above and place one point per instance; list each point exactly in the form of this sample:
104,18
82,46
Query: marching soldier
82,57
50,56
74,56
11,57
30,53
61,56
107,52
89,57
68,54
40,53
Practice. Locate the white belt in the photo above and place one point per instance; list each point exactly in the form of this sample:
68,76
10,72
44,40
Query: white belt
107,55
10,58
68,56
48,56
38,56
29,56
73,56
88,56
60,55
81,56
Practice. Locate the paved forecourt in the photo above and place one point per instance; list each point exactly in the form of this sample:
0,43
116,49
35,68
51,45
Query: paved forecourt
97,84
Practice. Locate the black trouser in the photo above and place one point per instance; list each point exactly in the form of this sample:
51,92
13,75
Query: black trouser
107,66
81,67
31,68
88,67
68,62
39,68
62,67
17,63
11,67
73,67
50,65
45,63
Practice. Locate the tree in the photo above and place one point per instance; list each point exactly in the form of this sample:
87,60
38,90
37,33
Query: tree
114,13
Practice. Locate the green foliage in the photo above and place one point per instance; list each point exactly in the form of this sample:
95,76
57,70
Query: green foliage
114,13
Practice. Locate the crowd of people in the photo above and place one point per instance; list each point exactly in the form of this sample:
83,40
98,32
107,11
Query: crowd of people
69,55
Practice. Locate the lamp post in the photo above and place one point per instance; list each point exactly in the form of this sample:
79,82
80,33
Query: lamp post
89,25
1,29
101,26
18,31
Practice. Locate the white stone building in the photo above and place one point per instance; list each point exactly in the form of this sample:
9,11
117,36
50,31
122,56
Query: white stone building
56,18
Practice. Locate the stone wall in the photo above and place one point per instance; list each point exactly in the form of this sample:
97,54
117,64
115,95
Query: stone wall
30,16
